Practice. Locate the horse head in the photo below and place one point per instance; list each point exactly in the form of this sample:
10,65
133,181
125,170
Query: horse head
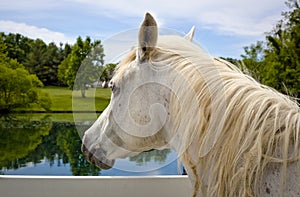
138,116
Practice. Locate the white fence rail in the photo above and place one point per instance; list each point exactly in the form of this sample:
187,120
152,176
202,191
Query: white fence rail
100,186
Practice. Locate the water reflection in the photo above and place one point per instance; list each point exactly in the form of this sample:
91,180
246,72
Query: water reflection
159,156
18,139
69,142
25,141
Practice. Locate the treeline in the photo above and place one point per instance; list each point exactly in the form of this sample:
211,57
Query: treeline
36,56
26,64
276,61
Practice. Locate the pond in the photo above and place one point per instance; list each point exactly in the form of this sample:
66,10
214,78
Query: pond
45,146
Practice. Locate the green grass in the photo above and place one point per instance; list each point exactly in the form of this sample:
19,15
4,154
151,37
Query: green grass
64,99
60,117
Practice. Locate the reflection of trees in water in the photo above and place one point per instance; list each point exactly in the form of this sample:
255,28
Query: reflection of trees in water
24,141
157,155
69,141
18,138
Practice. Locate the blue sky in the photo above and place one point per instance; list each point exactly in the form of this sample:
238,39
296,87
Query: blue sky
223,28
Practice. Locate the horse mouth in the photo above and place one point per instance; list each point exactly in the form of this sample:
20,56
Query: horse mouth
100,160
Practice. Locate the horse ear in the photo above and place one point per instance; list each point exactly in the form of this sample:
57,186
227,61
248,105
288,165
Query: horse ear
189,36
148,34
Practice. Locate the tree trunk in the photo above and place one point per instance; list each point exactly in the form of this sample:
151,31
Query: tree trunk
83,92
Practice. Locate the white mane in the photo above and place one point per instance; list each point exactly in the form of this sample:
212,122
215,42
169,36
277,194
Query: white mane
243,126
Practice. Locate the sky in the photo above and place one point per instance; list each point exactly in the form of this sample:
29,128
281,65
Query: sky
223,28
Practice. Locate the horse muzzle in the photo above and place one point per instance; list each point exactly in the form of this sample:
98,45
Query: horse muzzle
97,157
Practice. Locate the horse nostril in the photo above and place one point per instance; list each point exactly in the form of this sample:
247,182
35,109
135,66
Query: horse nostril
86,152
84,149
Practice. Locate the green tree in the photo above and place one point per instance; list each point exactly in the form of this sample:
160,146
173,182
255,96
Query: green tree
36,60
283,53
3,51
107,72
277,60
18,88
82,66
53,59
63,66
253,59
62,71
37,57
43,60
18,46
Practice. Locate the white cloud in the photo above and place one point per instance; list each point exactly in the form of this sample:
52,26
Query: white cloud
29,4
247,17
34,32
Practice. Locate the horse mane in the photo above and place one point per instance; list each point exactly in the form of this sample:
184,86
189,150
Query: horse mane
242,128
229,128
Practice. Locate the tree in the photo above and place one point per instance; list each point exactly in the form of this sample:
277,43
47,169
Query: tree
62,71
52,59
18,87
254,60
283,53
277,60
37,57
43,60
63,66
82,66
107,72
18,46
36,60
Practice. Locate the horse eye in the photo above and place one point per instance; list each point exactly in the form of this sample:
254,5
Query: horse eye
112,86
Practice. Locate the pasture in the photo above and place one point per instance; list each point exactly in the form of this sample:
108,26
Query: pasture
61,98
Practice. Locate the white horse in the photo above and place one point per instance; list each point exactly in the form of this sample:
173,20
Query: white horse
234,136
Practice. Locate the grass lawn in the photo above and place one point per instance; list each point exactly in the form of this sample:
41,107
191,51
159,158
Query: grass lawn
60,117
64,99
